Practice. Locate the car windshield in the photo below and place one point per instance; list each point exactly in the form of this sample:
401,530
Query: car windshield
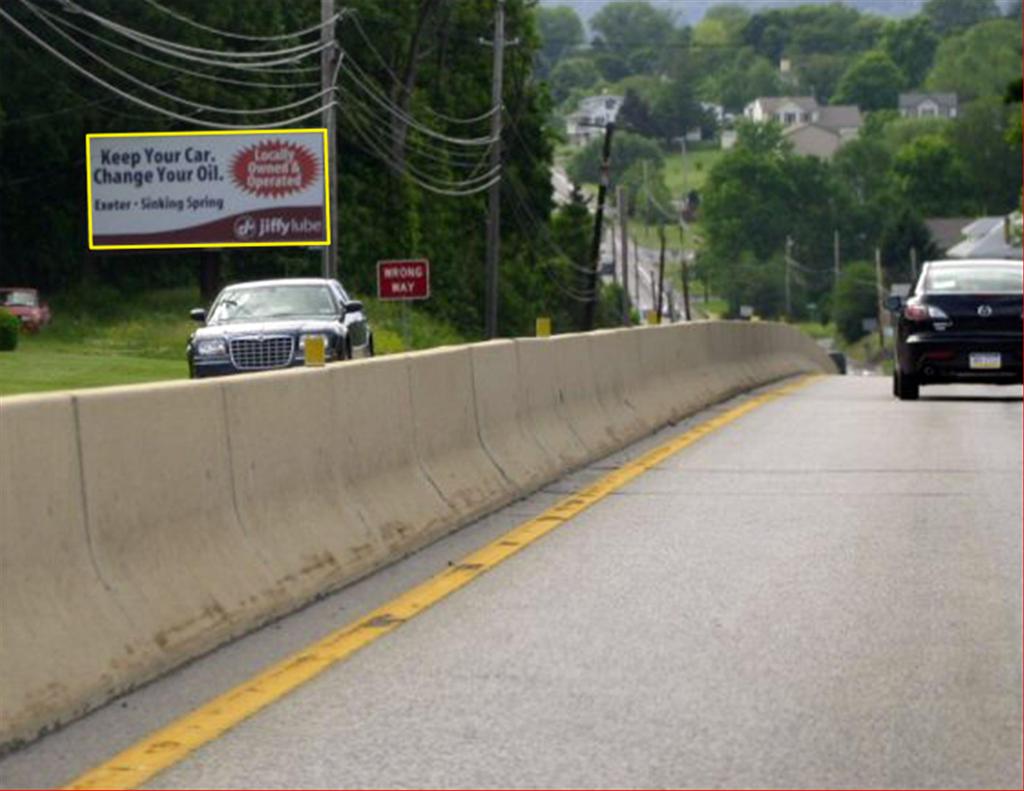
974,279
18,299
272,302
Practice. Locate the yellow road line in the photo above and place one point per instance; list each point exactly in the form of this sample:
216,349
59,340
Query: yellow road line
173,743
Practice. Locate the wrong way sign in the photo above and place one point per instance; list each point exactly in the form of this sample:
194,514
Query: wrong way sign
403,280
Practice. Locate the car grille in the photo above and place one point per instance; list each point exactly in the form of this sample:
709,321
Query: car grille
259,354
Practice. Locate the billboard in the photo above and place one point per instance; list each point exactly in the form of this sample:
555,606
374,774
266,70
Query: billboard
159,190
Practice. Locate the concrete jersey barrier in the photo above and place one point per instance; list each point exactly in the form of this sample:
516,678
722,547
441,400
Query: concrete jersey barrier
141,526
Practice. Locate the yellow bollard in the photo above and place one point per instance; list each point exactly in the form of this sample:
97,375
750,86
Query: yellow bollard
653,317
543,327
315,352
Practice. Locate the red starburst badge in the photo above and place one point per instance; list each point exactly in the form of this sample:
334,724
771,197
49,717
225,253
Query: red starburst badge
274,168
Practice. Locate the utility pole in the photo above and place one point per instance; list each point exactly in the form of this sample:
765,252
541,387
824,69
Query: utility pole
835,257
328,61
661,271
685,272
494,196
595,247
880,297
789,258
620,201
913,265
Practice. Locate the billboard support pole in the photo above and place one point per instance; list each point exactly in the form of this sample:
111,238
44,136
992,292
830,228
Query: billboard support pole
328,59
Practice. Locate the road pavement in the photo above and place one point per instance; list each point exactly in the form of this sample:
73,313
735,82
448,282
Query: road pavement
824,593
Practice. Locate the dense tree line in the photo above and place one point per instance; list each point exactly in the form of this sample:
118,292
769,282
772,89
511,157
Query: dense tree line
425,54
878,189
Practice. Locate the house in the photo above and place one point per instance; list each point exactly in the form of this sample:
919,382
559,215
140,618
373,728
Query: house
990,237
814,140
928,105
946,231
786,110
590,118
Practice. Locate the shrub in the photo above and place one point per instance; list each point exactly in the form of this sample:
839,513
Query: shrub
9,327
855,300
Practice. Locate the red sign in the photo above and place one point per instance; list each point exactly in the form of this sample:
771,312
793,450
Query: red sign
397,280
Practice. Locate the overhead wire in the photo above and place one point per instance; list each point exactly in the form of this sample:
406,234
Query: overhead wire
354,19
361,80
172,66
378,150
298,51
264,67
173,97
425,147
149,106
241,36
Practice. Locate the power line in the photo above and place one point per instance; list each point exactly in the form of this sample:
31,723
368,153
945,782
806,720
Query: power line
354,17
355,72
172,66
159,92
241,36
141,102
299,51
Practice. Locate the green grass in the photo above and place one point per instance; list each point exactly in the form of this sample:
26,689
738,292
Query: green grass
683,175
108,340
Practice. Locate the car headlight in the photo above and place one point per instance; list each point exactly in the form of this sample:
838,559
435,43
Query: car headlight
211,347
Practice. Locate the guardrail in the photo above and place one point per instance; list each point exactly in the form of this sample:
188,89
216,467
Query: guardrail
142,526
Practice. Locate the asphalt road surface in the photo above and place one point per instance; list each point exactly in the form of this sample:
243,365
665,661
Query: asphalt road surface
824,593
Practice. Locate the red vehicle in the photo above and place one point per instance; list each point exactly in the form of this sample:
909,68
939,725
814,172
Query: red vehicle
24,303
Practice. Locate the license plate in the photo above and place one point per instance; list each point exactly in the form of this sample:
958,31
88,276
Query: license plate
985,361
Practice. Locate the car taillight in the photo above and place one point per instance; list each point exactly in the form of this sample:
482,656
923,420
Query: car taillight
916,312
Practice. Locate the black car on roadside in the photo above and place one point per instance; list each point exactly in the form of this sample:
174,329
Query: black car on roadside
962,322
266,324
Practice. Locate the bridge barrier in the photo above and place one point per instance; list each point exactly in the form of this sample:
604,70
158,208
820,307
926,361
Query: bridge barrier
141,526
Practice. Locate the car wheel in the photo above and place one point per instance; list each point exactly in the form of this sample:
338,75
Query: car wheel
906,386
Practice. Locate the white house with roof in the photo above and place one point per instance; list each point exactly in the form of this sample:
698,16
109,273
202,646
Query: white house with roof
928,105
590,118
813,129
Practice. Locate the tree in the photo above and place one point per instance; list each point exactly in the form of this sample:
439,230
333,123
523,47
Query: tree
741,80
911,44
873,82
855,300
628,27
560,31
978,62
627,149
722,26
930,177
572,74
991,165
952,16
904,230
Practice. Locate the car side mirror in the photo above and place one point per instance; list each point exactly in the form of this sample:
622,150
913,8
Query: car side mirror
355,306
197,314
893,303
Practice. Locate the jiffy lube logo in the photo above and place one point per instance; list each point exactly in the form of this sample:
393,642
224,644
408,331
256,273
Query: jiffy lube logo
274,168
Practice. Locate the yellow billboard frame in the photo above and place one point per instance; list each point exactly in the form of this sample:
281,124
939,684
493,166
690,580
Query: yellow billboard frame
88,189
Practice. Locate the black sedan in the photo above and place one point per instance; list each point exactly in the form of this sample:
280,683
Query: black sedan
962,323
266,324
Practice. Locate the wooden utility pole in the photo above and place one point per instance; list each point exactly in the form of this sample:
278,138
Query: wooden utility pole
880,297
595,246
661,271
835,258
328,61
685,273
913,265
494,196
620,201
789,300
